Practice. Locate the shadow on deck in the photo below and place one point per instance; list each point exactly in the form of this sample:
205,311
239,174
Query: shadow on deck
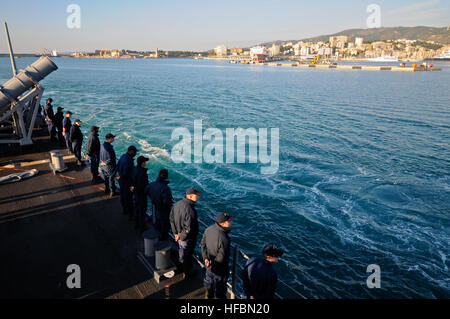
51,221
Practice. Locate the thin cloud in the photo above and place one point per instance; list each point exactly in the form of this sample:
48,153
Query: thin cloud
429,17
413,8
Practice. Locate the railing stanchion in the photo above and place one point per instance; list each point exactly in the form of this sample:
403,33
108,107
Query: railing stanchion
233,273
236,253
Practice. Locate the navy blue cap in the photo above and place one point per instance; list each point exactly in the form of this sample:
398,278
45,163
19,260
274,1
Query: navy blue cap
272,250
141,159
223,218
193,191
163,173
132,148
109,135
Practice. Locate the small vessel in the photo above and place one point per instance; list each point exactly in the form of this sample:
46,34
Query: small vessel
386,58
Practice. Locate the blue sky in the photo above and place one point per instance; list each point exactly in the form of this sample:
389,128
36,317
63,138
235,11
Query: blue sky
198,24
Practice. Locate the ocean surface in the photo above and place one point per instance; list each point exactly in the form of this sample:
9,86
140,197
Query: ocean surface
364,173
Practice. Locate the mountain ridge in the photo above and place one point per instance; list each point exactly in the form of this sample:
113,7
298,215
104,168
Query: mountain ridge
424,33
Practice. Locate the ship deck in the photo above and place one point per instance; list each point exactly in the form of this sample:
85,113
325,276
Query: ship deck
51,221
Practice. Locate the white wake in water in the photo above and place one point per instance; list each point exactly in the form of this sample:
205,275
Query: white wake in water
154,151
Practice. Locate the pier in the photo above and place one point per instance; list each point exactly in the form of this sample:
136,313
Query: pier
286,63
353,67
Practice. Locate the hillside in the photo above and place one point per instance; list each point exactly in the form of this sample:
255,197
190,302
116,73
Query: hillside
441,35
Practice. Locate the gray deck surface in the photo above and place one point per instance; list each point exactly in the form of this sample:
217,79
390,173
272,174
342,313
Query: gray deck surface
49,222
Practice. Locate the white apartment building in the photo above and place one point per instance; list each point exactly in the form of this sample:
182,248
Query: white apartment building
220,50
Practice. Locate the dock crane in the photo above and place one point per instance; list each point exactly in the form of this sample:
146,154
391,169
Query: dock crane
316,59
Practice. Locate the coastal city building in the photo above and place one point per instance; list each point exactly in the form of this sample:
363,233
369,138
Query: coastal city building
304,51
359,42
338,41
259,52
274,50
220,50
337,47
236,51
325,52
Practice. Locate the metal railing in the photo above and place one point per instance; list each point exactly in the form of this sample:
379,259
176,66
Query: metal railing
232,282
236,252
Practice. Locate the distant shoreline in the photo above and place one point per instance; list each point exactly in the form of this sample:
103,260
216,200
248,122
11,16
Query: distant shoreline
21,55
31,55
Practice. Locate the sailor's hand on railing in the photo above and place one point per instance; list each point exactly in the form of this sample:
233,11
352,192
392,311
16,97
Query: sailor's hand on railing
208,263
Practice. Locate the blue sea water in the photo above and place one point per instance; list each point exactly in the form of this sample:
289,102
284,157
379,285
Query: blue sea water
364,173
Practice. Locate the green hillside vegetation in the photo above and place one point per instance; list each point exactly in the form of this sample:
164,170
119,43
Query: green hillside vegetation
439,35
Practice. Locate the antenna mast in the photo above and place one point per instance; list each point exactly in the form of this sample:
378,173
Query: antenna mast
11,53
